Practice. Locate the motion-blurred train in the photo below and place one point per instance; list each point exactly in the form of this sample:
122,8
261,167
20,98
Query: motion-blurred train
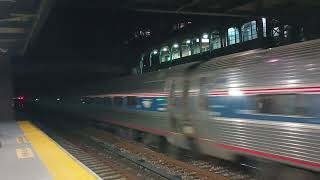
261,103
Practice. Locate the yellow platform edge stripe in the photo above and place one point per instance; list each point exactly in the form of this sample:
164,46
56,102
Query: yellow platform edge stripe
60,165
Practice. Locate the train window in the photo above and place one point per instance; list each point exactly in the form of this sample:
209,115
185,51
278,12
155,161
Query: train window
154,58
175,51
131,101
165,54
233,36
249,31
282,104
215,40
117,101
264,25
196,46
205,42
186,48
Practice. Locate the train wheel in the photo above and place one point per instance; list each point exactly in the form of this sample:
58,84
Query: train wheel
135,135
174,151
162,144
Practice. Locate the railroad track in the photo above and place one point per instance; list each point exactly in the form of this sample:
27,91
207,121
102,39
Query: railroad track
101,167
113,157
107,161
186,168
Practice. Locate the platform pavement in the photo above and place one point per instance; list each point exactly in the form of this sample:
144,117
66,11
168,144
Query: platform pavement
18,159
29,154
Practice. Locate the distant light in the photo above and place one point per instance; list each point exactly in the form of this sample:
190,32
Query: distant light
58,99
235,92
21,97
273,60
155,52
197,40
189,22
164,49
188,41
205,36
176,45
37,99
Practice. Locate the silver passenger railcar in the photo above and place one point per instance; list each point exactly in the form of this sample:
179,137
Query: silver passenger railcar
261,103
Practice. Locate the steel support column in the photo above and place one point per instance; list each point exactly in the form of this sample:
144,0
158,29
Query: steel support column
6,112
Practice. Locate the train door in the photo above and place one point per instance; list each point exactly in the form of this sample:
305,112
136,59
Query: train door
183,108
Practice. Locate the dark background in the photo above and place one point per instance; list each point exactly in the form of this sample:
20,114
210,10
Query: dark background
86,41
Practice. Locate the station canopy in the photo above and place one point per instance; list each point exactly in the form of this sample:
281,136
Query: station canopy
20,22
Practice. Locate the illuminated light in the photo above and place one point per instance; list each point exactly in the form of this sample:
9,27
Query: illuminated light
188,41
205,40
235,92
197,40
176,45
58,99
155,52
205,36
273,60
37,99
264,20
164,49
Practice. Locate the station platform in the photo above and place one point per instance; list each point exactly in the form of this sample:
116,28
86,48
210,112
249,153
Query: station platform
28,153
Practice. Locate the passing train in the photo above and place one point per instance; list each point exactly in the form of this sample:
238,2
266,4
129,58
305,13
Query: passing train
261,103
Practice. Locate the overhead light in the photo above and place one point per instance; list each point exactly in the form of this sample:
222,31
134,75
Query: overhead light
205,36
176,45
197,40
164,49
58,99
155,52
188,41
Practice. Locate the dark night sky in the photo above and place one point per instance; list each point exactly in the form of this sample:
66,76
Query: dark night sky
79,30
84,32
